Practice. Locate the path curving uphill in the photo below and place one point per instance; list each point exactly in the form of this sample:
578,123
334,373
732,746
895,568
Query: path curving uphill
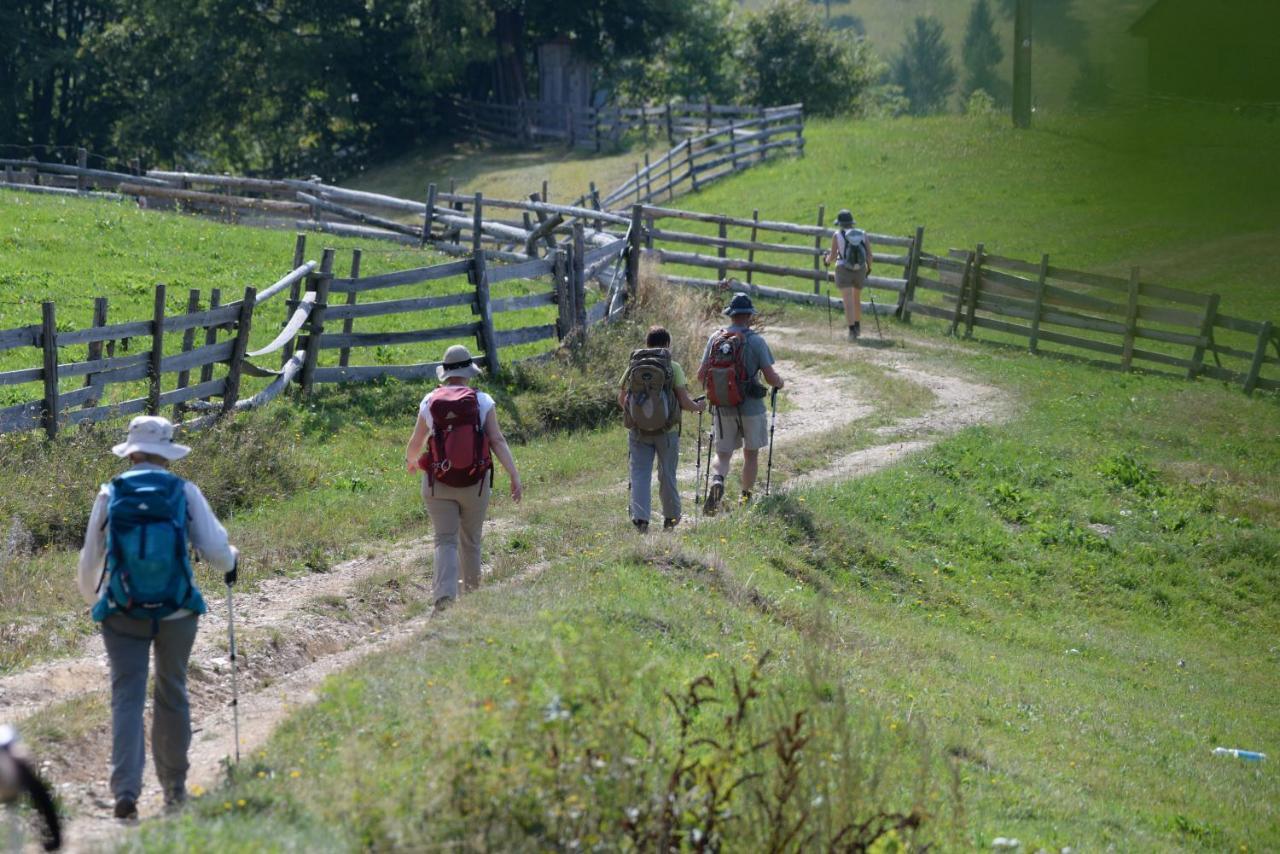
295,639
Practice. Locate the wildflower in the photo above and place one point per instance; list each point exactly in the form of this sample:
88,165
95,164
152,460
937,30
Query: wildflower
712,655
242,802
295,774
197,791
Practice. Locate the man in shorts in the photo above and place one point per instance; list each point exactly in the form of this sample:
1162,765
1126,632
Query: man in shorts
746,425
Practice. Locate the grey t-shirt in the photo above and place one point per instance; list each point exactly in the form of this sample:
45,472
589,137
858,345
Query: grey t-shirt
757,357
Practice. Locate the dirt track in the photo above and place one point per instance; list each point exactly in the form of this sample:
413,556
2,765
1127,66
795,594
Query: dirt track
294,642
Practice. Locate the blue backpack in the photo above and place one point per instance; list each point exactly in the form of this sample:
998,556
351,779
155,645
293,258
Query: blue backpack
148,569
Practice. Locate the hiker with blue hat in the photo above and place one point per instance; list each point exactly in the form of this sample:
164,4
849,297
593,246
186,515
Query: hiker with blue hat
851,253
734,356
135,571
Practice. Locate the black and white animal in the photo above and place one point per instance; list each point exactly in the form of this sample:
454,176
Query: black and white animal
19,779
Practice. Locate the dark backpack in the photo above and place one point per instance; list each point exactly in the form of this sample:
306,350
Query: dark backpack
724,369
651,405
854,252
457,451
148,568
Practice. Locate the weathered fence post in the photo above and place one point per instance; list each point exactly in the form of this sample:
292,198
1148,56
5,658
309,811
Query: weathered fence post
95,347
648,178
755,230
322,281
722,251
912,275
1259,353
344,355
157,353
1130,320
961,294
707,105
975,286
1038,310
211,333
635,236
49,348
595,203
671,133
244,326
477,218
693,175
488,341
819,275
188,340
671,190
295,292
426,217
82,161
578,275
733,144
1206,335
564,296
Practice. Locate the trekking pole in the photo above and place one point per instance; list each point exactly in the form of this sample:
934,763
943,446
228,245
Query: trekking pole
697,474
235,685
875,314
773,418
830,334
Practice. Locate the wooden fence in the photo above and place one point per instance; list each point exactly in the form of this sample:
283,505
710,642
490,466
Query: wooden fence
598,128
78,388
1088,315
1067,311
724,150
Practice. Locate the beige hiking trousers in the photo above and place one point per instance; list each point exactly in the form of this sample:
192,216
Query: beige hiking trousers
457,520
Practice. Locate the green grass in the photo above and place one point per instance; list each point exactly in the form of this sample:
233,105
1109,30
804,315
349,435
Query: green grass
502,173
1039,629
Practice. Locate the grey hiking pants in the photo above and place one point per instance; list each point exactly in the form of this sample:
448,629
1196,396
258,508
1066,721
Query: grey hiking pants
666,448
457,520
129,643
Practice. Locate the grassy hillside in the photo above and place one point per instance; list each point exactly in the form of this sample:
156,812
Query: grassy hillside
1191,198
1067,32
1038,629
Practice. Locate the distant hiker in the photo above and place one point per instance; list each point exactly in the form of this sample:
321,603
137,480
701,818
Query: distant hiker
457,429
652,395
730,362
135,571
851,253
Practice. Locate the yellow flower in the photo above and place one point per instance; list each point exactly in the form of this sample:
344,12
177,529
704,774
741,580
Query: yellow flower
262,775
295,774
242,802
226,805
506,680
712,655
197,791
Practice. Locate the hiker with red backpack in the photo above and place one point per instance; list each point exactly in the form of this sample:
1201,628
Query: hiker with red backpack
851,253
453,443
652,395
135,571
732,359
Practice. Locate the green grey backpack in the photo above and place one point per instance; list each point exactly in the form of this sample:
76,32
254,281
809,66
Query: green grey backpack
651,406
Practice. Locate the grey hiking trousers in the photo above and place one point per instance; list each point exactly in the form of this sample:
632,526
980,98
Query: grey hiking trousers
666,448
129,643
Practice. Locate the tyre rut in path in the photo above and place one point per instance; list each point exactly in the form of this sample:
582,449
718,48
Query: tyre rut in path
316,645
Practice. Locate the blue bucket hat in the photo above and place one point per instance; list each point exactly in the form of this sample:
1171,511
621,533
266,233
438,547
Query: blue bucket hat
740,304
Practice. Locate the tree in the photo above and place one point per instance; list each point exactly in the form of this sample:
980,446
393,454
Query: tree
696,60
924,68
788,56
981,53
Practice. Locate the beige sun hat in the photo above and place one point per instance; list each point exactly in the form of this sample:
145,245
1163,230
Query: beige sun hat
151,434
457,363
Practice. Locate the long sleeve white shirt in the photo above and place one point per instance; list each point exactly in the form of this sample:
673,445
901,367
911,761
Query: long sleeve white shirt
204,532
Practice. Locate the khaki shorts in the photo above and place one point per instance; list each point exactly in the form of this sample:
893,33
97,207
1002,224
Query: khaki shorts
848,278
733,431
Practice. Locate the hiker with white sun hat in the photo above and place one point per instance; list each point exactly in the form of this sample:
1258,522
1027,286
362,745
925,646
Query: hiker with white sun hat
135,572
453,442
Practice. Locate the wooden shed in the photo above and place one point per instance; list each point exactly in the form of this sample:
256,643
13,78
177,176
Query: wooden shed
1221,51
563,78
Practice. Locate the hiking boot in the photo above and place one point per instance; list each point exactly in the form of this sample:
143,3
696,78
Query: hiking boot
713,497
442,603
745,498
126,808
668,524
174,800
855,331
642,525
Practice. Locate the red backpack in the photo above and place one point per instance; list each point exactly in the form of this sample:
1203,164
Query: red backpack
724,370
457,452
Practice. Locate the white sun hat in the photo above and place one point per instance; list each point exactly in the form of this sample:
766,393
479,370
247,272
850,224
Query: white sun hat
151,434
457,363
